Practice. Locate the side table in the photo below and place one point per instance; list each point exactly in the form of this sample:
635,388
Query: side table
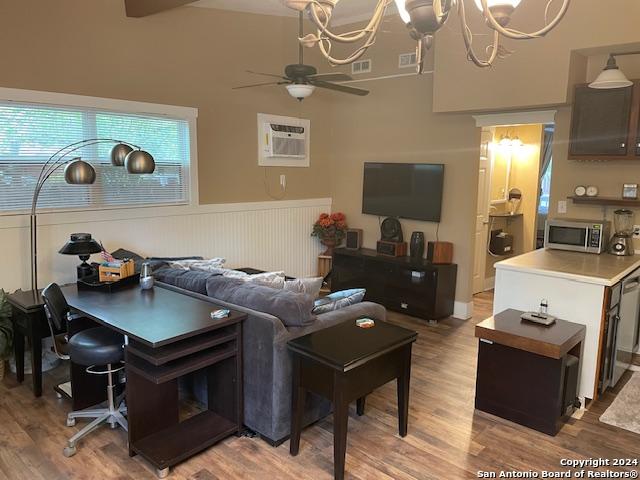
345,363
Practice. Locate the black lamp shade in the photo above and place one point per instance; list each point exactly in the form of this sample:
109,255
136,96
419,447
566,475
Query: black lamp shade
80,244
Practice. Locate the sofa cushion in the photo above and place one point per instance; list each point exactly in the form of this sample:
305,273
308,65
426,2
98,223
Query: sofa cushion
192,280
293,309
338,300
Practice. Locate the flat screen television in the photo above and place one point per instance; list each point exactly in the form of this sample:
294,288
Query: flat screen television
405,190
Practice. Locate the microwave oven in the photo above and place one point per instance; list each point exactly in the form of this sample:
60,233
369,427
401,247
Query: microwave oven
588,236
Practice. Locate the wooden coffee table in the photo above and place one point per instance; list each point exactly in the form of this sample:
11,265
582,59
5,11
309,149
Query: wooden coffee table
345,363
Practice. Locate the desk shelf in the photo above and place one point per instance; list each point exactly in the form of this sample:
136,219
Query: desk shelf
178,442
183,366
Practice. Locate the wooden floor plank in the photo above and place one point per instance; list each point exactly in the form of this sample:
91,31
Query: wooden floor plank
447,438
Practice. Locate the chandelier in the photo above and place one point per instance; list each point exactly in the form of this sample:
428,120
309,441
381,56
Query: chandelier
422,18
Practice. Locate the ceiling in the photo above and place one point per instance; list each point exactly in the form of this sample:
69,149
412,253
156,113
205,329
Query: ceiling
347,11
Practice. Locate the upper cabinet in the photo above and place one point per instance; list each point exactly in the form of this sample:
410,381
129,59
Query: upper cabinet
602,123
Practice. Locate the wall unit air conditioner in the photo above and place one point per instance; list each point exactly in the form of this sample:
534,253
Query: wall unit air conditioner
287,141
283,141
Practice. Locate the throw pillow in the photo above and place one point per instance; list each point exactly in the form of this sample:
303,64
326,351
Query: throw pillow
204,265
310,286
293,309
268,279
338,300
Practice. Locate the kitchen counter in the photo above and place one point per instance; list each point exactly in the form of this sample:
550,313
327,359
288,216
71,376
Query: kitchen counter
604,269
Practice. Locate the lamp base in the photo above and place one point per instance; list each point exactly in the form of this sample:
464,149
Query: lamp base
85,270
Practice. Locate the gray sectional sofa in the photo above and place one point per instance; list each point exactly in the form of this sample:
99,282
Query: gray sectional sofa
267,363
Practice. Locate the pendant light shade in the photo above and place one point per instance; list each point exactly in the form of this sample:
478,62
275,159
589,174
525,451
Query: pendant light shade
611,77
118,153
139,162
300,90
79,172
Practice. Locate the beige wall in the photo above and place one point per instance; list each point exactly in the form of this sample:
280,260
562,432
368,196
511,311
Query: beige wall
525,168
539,72
187,56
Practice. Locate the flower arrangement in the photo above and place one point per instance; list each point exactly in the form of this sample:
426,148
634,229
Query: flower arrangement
330,229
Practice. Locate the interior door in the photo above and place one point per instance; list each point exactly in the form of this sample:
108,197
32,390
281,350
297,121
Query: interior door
482,211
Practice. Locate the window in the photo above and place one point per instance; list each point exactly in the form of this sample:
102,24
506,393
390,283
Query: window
545,190
31,133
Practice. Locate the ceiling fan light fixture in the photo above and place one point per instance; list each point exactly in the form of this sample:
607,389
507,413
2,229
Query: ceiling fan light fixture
611,77
300,90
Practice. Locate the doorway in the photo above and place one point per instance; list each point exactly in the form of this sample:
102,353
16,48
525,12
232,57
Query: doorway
514,180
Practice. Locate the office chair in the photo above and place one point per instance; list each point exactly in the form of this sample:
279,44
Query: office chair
91,348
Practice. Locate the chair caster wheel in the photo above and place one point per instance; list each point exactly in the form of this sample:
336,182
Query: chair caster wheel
69,451
113,426
71,422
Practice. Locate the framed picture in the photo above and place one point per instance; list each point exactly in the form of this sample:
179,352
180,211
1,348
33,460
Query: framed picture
630,190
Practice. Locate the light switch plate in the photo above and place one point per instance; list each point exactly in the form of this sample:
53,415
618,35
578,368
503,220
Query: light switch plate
562,206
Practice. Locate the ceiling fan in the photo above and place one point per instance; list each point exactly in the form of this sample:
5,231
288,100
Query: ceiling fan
301,80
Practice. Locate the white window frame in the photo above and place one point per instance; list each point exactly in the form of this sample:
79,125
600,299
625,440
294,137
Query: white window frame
189,114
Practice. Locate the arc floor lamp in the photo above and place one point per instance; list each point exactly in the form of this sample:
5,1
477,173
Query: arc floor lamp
79,172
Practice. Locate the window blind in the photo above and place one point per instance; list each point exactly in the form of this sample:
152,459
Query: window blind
31,133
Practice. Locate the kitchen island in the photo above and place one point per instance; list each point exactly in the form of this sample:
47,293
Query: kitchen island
578,287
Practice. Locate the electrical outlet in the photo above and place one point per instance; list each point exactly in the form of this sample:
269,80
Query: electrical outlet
283,181
562,206
636,231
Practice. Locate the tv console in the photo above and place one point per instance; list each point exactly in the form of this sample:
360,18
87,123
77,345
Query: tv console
412,286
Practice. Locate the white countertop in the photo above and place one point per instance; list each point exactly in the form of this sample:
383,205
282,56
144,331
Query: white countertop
601,269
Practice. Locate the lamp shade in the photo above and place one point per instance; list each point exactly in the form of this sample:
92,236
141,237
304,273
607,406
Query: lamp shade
300,90
79,172
611,78
402,10
498,4
118,154
80,244
139,162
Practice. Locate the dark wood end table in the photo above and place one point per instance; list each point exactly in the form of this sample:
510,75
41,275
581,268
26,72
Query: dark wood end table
523,372
345,363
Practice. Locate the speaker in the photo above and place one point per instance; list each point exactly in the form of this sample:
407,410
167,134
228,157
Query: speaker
354,239
440,253
391,230
416,247
392,249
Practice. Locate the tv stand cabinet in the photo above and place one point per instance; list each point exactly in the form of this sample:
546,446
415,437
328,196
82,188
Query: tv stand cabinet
415,287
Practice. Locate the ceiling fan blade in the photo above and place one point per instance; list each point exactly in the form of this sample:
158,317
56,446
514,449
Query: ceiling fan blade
268,75
339,88
331,77
259,85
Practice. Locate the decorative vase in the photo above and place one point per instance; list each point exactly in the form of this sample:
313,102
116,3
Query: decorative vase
330,243
416,247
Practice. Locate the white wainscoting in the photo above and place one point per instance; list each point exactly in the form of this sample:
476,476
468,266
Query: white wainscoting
272,235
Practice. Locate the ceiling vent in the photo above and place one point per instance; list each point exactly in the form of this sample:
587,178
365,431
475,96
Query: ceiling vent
407,60
361,66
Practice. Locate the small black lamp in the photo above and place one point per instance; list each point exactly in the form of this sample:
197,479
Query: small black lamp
83,245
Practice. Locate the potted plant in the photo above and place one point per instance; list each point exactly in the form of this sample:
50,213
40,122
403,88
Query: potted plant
331,230
6,331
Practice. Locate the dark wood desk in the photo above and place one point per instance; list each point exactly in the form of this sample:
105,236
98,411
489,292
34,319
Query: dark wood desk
344,363
528,373
170,335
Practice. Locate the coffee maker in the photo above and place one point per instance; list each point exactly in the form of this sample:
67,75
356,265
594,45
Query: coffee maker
621,243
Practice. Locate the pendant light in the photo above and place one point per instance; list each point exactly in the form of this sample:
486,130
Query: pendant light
612,76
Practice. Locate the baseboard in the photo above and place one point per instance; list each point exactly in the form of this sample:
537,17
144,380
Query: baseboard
463,310
489,283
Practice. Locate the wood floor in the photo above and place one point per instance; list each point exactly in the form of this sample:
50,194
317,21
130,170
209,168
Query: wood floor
447,438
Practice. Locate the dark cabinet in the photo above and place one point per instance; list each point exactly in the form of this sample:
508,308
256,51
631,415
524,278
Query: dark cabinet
600,124
414,287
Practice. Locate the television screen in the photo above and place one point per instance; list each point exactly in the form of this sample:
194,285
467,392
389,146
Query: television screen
406,190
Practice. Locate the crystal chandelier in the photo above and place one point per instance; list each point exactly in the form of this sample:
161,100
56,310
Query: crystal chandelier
423,18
